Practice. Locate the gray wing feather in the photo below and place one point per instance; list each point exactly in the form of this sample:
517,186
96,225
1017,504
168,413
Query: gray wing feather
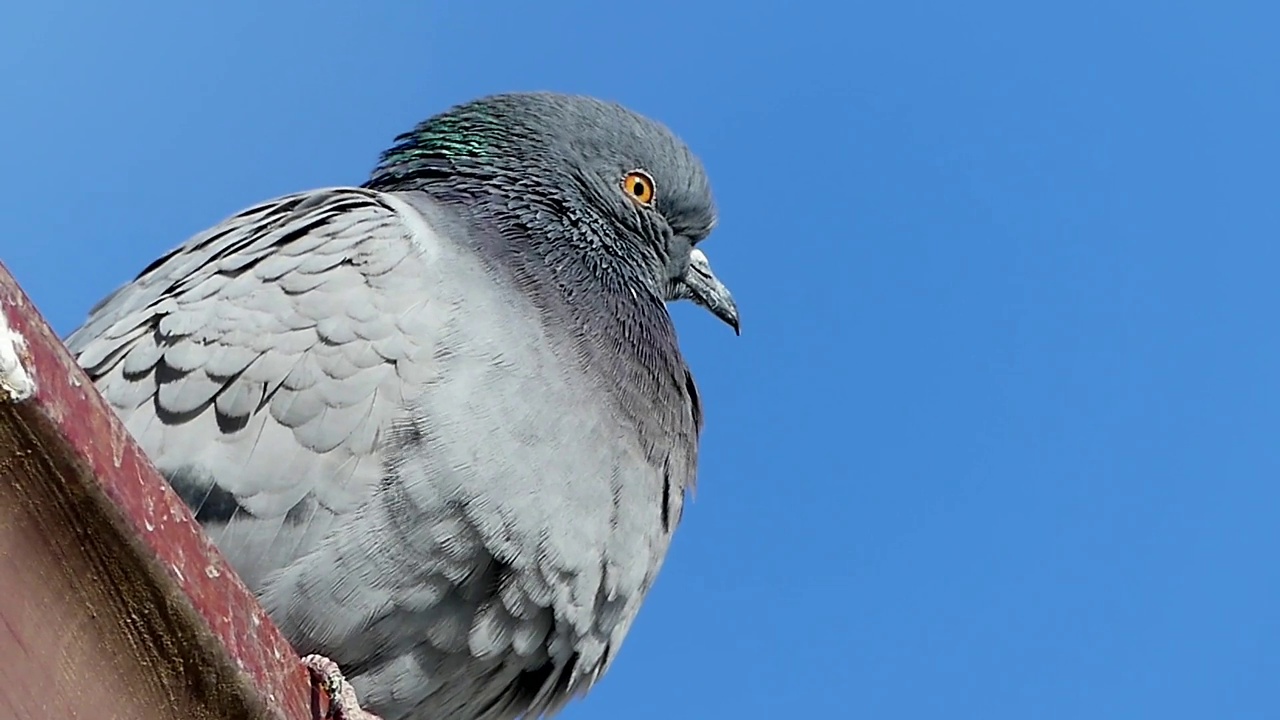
261,359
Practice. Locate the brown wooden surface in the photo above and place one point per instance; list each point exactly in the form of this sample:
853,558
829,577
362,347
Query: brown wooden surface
112,602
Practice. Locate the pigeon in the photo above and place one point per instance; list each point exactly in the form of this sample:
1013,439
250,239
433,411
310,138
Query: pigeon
439,423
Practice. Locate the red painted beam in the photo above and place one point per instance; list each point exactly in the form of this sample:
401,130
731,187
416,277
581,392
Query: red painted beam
113,603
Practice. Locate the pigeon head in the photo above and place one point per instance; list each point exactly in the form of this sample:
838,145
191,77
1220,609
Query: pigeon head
573,174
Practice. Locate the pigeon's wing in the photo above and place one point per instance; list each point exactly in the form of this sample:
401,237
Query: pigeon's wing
258,363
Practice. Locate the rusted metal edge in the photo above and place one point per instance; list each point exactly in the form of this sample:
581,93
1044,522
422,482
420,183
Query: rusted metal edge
43,389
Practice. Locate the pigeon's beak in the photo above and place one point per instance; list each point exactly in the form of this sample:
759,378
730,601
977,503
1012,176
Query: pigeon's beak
704,288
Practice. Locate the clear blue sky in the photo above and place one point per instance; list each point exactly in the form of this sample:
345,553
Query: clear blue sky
1001,438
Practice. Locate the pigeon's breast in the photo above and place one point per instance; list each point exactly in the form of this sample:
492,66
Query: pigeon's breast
523,516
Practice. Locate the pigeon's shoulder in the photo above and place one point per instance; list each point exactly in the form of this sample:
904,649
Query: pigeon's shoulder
259,362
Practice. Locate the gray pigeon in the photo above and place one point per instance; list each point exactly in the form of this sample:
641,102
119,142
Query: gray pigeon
439,423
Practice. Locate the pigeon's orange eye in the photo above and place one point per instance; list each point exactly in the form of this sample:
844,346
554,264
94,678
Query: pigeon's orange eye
638,186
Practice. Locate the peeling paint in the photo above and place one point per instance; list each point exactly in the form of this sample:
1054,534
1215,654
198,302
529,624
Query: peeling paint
16,382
